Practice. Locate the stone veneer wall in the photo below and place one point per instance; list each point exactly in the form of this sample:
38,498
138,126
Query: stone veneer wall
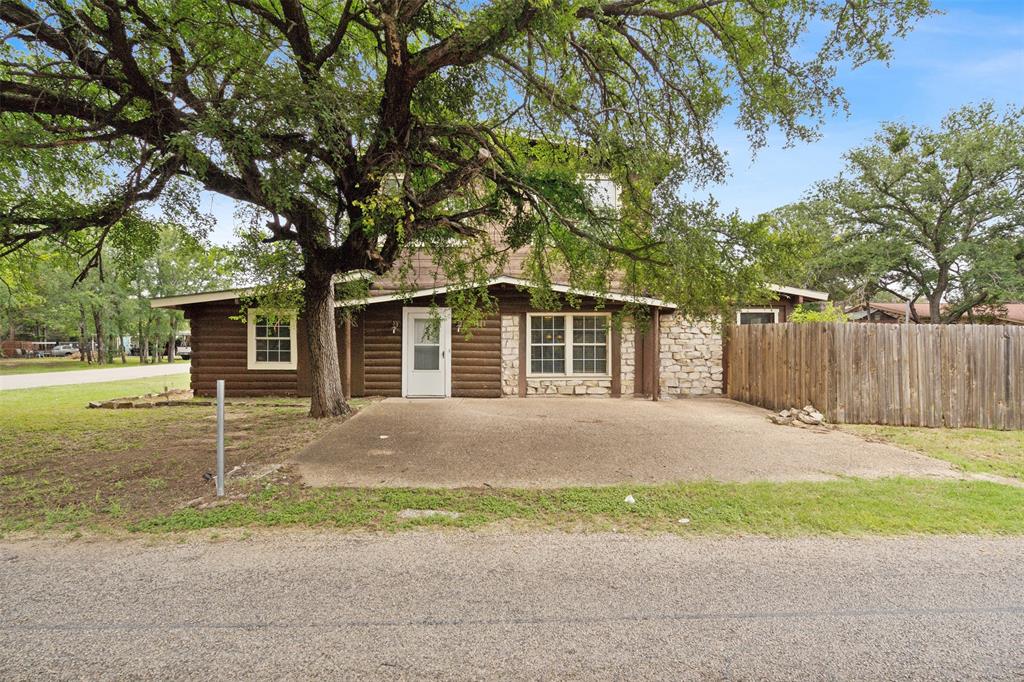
691,358
510,355
598,387
628,365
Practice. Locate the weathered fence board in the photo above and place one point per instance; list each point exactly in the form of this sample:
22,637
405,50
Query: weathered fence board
911,375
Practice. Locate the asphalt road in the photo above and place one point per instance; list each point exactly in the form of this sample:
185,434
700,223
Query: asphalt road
512,605
9,382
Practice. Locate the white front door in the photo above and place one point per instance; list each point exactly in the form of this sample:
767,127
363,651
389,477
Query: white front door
426,353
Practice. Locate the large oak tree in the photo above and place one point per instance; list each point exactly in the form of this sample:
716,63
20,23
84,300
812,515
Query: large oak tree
926,213
469,114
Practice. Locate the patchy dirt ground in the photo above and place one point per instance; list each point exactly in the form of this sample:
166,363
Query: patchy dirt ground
149,463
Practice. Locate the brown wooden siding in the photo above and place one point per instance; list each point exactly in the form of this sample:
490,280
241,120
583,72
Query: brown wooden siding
476,361
219,351
382,349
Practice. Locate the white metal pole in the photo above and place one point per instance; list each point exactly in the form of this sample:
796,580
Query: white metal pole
220,438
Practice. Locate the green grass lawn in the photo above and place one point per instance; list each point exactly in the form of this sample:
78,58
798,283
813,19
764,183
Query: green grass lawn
850,507
42,365
36,419
975,450
65,468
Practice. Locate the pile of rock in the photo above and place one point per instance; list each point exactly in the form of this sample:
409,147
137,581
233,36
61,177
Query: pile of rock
799,417
171,398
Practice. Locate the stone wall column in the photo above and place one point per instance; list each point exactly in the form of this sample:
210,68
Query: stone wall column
509,355
691,358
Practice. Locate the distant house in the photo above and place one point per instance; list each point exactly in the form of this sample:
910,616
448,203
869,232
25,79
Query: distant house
894,313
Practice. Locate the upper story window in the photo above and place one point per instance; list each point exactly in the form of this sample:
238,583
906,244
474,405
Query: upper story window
602,192
569,344
391,183
272,341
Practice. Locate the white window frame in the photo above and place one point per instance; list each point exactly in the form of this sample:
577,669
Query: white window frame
773,311
253,313
593,181
568,373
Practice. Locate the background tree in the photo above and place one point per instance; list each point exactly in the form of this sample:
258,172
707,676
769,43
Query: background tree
46,286
828,313
475,112
937,214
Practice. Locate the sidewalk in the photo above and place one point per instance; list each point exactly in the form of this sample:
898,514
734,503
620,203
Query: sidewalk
90,376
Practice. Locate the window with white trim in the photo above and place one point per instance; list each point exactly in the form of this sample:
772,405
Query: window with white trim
565,345
272,341
602,192
757,316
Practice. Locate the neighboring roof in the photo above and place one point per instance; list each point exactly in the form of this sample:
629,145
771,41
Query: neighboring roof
1006,312
1014,312
900,309
235,294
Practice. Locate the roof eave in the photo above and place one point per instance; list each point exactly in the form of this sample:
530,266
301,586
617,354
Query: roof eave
177,302
513,281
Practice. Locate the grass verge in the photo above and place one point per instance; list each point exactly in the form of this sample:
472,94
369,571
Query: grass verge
850,507
983,451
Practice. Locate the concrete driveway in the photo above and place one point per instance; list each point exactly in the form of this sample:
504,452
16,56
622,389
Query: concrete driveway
553,442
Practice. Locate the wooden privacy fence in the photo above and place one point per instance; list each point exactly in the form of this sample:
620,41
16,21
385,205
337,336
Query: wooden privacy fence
900,374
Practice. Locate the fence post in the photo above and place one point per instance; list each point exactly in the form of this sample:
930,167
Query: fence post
220,438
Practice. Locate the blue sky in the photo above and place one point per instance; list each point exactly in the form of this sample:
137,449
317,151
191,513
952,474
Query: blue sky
974,51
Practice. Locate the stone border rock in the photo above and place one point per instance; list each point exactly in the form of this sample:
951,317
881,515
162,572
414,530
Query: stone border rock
175,397
806,415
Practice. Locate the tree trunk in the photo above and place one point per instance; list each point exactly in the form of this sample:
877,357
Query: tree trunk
83,351
328,397
935,308
172,347
120,333
97,320
142,352
84,347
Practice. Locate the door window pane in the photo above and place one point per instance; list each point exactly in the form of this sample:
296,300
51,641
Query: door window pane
426,357
426,349
424,331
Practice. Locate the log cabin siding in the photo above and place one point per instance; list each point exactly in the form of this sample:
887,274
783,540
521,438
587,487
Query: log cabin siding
220,351
382,350
476,361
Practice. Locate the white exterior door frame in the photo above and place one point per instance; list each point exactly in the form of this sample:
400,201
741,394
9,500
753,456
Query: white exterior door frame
431,383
